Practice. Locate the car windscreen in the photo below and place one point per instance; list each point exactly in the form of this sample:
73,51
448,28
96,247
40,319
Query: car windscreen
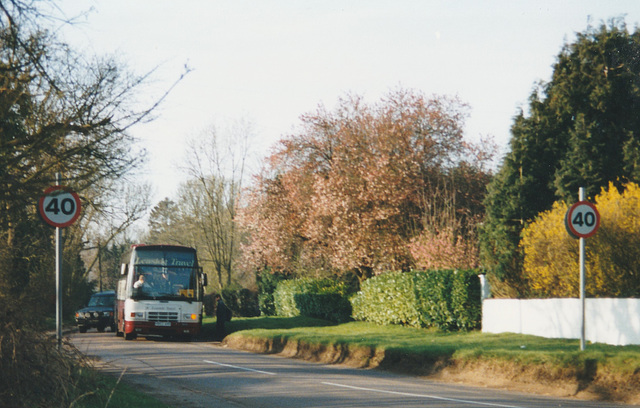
102,300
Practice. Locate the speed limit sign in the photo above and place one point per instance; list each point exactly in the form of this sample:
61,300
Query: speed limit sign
59,206
582,219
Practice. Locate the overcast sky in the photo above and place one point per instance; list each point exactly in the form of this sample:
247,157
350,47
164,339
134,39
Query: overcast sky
271,61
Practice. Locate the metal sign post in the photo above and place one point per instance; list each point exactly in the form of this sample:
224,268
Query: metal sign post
582,284
582,221
58,279
59,207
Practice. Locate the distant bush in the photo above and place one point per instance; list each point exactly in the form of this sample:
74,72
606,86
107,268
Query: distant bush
320,298
267,284
241,301
449,300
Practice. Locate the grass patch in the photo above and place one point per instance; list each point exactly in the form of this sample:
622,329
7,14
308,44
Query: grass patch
434,345
262,323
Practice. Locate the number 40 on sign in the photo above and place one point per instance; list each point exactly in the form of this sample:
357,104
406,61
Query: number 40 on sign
59,206
582,220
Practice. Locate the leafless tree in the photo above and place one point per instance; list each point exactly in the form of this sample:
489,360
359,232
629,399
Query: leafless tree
216,164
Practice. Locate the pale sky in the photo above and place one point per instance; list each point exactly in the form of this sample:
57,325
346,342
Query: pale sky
271,61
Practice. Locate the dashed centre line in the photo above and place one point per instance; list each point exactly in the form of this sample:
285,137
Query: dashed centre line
405,394
238,368
435,397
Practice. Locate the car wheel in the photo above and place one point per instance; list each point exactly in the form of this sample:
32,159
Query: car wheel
82,329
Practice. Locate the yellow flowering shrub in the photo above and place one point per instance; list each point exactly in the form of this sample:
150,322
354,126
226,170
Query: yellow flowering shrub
551,264
615,255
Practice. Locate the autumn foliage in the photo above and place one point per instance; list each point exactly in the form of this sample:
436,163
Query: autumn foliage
355,189
551,257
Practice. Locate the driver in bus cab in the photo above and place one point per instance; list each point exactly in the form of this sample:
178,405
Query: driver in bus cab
139,283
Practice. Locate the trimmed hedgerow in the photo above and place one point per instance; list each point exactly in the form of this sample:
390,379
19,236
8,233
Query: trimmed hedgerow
387,299
433,296
466,300
320,298
446,299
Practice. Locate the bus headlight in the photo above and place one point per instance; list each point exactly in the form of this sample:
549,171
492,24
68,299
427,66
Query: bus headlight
137,315
191,316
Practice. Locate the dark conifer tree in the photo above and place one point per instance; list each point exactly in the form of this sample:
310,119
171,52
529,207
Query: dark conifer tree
582,129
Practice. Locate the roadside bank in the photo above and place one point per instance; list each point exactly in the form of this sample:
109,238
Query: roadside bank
588,381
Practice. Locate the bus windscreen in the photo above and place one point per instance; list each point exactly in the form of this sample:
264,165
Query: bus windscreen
165,275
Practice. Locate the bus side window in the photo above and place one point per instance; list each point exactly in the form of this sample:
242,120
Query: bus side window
122,289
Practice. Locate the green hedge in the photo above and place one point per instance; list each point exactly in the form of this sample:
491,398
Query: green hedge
387,299
449,300
466,300
320,298
267,281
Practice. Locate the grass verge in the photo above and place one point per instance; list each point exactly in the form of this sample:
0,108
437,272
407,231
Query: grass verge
529,363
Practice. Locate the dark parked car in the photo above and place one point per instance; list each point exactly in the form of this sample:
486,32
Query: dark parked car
98,313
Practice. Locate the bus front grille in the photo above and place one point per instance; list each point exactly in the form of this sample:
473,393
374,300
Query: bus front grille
163,316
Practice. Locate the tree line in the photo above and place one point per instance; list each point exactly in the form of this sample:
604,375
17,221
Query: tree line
581,129
353,192
62,112
394,185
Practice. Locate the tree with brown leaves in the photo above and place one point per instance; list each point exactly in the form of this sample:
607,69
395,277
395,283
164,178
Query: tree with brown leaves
351,190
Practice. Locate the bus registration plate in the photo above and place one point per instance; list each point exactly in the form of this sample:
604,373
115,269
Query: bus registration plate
163,324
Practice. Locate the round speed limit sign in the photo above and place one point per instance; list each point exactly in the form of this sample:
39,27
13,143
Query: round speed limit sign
59,206
583,219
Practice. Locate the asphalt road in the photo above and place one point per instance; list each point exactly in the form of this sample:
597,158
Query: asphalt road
201,374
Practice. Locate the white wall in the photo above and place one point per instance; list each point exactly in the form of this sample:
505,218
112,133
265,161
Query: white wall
611,321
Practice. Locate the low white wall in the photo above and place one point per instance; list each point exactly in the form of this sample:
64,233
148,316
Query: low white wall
610,321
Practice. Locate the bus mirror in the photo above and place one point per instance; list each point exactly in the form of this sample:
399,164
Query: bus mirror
123,269
205,282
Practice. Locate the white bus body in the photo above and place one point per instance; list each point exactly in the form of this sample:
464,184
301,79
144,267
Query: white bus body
169,302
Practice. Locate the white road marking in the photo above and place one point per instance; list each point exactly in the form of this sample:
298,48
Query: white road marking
239,368
406,394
